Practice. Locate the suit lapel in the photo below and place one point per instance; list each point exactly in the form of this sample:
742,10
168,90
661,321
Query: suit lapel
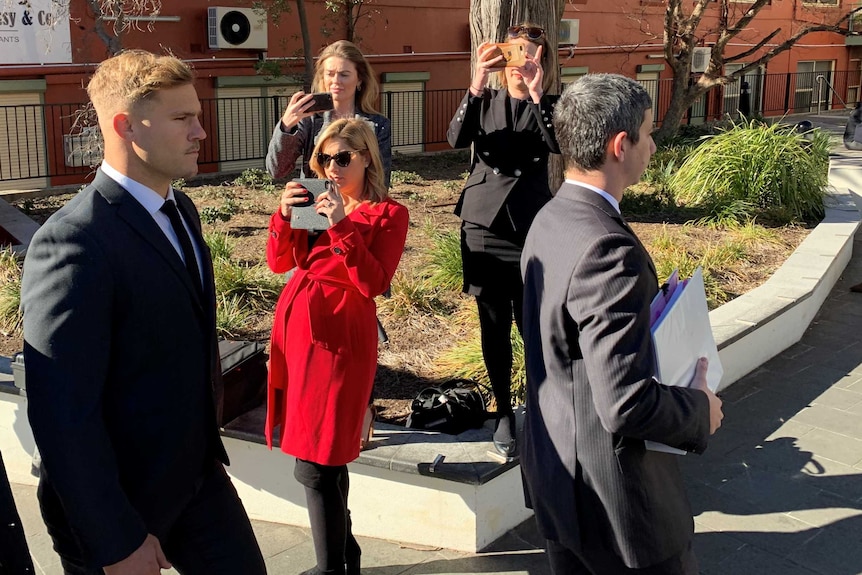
587,195
134,214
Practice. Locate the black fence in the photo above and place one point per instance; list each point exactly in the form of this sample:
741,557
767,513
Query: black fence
51,141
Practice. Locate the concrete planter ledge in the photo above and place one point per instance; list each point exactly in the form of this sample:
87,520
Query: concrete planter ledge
470,499
760,324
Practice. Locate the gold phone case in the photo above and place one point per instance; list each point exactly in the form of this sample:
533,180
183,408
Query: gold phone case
513,54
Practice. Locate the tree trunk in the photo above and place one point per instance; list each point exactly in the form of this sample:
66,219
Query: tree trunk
306,46
681,100
489,20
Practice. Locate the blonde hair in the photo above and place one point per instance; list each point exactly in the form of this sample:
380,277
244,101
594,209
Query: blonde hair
131,77
360,136
367,91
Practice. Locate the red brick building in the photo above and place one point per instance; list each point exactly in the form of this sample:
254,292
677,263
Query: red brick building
419,49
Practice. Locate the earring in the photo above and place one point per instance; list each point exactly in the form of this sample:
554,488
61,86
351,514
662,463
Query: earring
359,87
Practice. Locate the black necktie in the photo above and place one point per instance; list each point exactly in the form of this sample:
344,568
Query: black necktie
170,210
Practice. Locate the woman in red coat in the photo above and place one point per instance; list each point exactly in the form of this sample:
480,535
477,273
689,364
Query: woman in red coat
324,337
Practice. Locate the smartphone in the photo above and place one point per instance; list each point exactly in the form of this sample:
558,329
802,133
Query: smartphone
304,216
513,54
321,102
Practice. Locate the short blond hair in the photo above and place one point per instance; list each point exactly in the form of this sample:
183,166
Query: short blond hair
360,136
131,77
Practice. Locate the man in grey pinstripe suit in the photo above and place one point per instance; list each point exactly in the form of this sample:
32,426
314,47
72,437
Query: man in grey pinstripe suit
605,504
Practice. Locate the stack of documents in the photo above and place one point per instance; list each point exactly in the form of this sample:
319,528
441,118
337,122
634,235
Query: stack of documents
681,334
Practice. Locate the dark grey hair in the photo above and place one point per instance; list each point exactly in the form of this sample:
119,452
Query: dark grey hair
591,111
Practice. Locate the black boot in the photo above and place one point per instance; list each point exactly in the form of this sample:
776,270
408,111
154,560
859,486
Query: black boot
504,435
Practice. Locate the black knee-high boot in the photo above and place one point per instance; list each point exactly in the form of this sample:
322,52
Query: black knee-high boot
495,322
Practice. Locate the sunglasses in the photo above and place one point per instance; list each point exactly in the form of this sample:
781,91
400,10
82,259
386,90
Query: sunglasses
341,158
530,32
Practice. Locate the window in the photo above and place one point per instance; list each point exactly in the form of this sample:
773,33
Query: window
650,82
733,92
813,86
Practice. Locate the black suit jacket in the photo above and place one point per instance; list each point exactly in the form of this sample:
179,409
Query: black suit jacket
592,400
120,355
510,159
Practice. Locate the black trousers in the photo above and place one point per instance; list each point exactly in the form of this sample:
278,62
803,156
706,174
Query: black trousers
599,561
495,323
326,489
14,553
491,259
211,536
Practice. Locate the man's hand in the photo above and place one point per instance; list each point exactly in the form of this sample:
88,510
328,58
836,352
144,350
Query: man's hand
147,559
699,382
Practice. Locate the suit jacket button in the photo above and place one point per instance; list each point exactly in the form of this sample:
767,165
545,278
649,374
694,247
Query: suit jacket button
517,173
337,251
496,171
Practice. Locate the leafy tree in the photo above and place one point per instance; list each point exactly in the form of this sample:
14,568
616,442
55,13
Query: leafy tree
687,24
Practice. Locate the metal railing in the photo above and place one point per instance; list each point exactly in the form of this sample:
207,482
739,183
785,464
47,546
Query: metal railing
42,141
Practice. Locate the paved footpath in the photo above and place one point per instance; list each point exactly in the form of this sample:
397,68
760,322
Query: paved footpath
779,491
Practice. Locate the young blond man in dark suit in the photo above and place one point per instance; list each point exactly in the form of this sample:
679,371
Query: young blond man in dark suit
120,348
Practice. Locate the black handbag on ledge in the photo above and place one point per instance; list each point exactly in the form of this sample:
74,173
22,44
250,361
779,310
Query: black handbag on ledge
452,407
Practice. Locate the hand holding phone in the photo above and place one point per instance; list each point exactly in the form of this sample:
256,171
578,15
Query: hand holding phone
513,54
304,213
321,102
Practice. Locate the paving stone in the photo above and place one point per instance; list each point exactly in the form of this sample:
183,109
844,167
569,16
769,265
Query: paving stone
751,560
274,538
711,547
830,419
837,550
294,560
831,445
792,429
774,532
525,563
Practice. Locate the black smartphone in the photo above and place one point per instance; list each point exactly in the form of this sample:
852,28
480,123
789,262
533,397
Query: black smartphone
321,102
304,216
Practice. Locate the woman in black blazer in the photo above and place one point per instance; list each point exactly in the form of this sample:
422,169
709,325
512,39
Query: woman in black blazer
512,135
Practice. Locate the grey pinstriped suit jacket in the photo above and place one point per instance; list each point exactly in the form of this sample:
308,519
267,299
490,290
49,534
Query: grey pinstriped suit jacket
591,397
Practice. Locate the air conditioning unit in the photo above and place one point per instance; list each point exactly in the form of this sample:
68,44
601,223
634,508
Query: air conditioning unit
569,32
700,59
236,28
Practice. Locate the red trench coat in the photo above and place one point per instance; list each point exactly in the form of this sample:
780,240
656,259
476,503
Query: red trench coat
324,337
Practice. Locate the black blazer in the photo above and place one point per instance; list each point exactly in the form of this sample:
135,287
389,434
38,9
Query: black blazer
592,400
510,160
120,354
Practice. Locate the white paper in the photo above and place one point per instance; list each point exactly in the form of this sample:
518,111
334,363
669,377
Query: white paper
682,335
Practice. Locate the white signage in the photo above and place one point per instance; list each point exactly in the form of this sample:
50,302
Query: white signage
35,32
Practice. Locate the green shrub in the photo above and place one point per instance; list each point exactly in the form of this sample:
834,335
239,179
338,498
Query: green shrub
220,245
255,179
256,286
232,315
10,292
465,360
402,177
411,294
753,169
444,266
224,212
